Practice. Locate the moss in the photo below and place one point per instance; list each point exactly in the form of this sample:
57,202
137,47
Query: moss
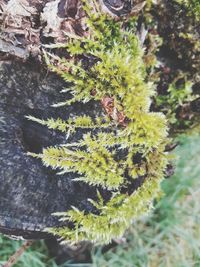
176,104
193,7
178,73
117,79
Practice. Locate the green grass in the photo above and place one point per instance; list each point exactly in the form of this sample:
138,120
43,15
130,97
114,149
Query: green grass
169,237
35,256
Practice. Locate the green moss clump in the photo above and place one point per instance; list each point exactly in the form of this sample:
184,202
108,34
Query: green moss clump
179,58
117,77
175,105
193,7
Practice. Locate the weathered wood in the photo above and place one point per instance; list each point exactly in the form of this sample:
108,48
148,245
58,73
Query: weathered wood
29,192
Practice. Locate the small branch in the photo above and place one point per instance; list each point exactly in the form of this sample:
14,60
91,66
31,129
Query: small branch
14,258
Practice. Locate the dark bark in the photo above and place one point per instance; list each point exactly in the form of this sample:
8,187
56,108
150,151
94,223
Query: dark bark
29,192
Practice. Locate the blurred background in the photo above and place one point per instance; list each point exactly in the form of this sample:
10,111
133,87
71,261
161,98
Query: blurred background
168,237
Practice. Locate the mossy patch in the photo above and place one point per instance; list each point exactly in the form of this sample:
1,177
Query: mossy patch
117,79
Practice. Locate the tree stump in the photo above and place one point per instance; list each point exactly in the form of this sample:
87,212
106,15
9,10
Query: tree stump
30,192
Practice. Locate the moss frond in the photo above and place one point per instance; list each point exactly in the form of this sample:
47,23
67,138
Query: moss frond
96,164
73,123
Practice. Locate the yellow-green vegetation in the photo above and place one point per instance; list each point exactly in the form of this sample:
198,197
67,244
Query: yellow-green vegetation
169,237
176,98
193,7
34,256
127,127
